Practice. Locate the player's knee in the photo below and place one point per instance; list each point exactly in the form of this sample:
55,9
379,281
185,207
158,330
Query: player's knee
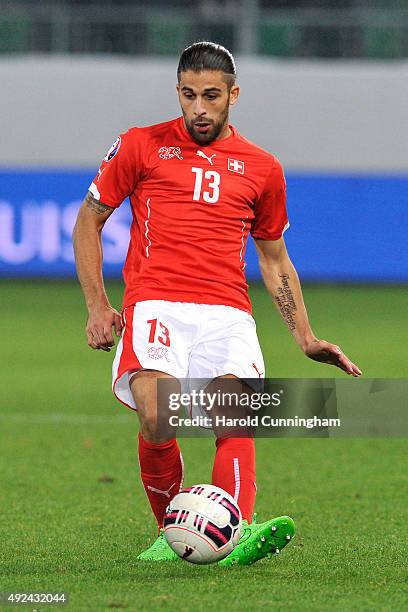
155,425
153,428
153,432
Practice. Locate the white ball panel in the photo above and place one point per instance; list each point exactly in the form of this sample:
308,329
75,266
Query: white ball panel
194,513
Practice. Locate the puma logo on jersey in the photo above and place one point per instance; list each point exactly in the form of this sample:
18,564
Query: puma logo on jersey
260,374
100,173
202,154
169,152
166,493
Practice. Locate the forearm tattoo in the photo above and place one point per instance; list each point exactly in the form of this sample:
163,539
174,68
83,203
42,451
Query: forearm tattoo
286,302
95,205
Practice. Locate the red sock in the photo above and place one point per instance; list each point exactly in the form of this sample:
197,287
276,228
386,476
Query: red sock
161,470
234,471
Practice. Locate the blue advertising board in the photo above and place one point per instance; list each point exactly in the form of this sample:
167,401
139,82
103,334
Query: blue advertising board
343,228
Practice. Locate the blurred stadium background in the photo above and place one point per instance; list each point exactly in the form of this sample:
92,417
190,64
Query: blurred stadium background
325,88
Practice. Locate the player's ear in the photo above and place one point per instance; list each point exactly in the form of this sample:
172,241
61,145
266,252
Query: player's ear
234,93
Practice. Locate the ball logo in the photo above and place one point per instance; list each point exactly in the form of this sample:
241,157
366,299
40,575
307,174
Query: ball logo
113,150
188,551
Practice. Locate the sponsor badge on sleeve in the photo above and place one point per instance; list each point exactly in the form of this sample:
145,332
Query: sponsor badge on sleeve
113,150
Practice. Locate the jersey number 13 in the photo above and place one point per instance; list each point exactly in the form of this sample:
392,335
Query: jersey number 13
211,185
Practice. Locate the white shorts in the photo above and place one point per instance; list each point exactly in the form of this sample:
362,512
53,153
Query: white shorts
187,341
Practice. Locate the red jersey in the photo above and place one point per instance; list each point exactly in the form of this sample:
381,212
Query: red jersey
193,207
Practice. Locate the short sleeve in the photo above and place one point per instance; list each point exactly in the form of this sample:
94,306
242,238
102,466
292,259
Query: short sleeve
119,171
271,218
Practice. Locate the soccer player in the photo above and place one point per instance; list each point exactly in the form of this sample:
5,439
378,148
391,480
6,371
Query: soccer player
197,188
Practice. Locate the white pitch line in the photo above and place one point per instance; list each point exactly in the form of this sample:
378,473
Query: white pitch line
62,418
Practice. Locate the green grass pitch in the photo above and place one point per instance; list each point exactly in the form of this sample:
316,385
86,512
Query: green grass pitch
73,512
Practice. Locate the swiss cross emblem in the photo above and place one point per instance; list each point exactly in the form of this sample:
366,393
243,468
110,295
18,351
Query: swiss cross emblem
236,166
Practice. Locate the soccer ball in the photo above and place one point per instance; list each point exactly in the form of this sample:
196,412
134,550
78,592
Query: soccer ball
202,524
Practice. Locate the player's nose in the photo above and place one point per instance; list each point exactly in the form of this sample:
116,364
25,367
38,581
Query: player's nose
199,107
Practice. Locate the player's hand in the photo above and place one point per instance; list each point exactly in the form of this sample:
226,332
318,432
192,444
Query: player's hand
101,319
323,351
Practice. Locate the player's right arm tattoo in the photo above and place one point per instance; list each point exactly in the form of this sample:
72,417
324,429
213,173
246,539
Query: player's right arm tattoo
286,302
96,206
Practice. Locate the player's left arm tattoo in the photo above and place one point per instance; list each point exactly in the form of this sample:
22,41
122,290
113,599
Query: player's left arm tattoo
282,282
285,301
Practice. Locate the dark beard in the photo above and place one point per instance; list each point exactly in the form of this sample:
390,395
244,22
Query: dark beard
212,134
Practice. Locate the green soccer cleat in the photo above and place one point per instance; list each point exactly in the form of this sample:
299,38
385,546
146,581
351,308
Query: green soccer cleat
261,540
159,551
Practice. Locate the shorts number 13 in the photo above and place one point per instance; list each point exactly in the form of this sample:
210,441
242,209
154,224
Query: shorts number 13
164,338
